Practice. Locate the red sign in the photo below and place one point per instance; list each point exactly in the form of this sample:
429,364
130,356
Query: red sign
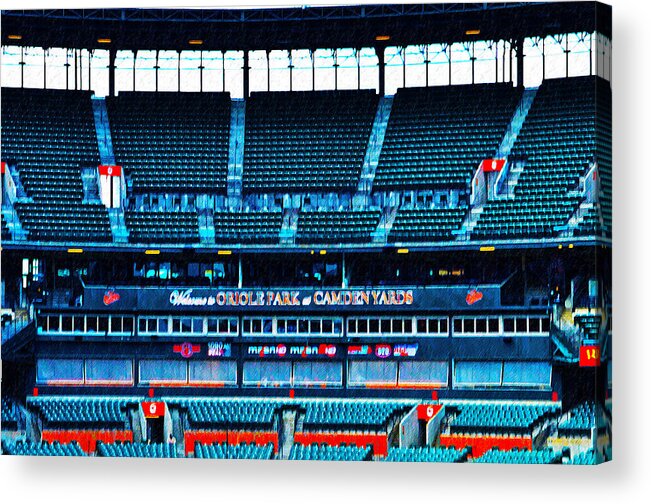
492,165
153,409
3,167
110,297
382,351
187,350
110,170
359,350
473,296
589,356
427,411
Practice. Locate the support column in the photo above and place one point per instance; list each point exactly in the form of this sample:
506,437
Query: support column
382,68
90,56
156,67
67,65
427,66
245,77
291,69
497,59
359,69
472,62
22,66
449,51
590,51
201,67
44,68
404,67
543,59
520,56
74,56
178,71
135,57
239,271
111,69
567,55
313,70
268,71
334,54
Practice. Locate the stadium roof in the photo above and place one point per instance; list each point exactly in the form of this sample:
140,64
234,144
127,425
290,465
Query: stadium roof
298,27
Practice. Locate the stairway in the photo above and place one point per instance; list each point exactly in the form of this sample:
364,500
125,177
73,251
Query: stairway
472,217
103,131
21,194
134,417
373,150
206,227
118,225
177,432
516,123
16,229
236,154
89,182
381,233
288,428
289,226
508,177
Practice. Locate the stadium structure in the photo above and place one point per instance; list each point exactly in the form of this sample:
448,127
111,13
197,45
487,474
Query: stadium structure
375,232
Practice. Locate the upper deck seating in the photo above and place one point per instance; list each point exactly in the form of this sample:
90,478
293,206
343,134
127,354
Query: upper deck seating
437,136
298,141
172,142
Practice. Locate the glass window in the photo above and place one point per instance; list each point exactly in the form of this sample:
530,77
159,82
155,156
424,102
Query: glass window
116,324
434,373
60,371
327,326
103,324
421,326
127,325
521,325
91,323
162,371
163,325
267,373
385,325
66,323
372,372
527,374
477,373
303,326
197,325
509,325
468,325
457,325
109,372
374,326
494,325
318,373
215,372
481,325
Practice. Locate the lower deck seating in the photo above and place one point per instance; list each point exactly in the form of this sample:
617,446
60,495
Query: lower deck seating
154,450
10,415
326,452
6,234
580,420
241,413
76,412
547,456
21,447
426,454
65,222
584,458
337,226
590,224
239,451
502,418
149,227
247,227
423,225
350,414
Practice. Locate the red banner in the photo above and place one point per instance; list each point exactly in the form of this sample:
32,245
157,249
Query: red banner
153,409
492,165
589,356
427,411
3,167
110,170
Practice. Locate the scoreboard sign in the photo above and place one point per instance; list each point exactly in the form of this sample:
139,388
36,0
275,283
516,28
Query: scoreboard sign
589,356
153,409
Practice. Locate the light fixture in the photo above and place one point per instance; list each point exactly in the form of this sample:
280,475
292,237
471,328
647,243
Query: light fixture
403,251
15,37
224,252
473,32
382,38
75,251
104,40
195,42
487,249
152,252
